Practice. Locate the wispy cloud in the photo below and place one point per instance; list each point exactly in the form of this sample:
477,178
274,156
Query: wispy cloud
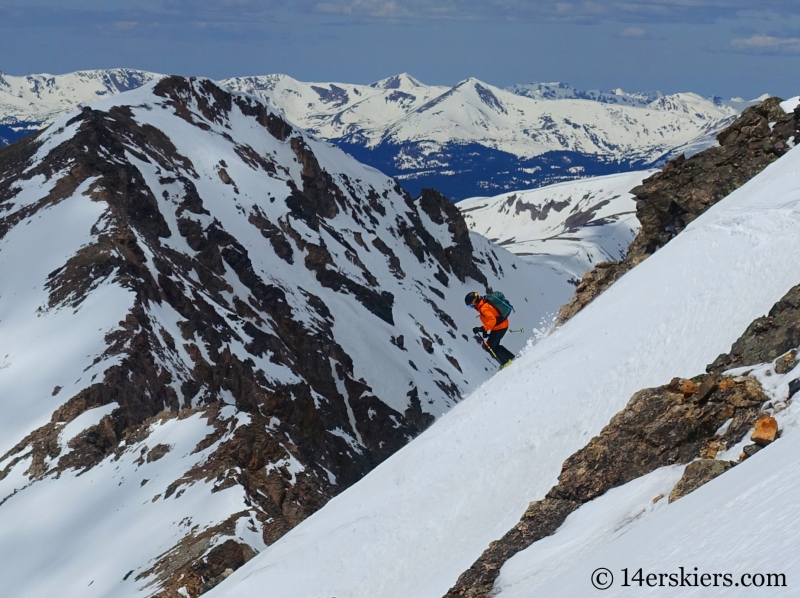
126,25
633,14
634,33
369,8
768,43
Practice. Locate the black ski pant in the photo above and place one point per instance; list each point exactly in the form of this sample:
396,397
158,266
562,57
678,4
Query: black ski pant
503,354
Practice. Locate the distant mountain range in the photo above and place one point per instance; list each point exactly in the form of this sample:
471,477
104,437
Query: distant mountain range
468,140
29,103
572,226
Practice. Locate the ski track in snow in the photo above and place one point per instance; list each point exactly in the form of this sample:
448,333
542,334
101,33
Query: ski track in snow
422,517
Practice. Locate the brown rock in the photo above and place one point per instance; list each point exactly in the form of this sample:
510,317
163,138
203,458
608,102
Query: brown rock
698,473
726,384
710,450
157,452
689,388
749,451
224,176
687,187
766,431
707,387
786,363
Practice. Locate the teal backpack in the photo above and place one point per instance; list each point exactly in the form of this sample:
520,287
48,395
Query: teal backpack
500,303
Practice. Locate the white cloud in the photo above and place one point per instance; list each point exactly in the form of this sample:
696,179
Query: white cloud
126,25
634,32
768,43
370,8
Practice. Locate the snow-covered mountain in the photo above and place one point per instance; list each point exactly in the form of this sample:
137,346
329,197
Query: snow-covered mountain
571,225
563,91
28,103
467,140
474,138
211,323
424,516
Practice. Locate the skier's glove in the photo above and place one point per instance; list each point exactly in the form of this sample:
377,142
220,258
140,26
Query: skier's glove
479,330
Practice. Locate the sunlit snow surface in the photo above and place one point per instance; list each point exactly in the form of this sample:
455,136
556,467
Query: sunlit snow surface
570,226
475,112
42,99
420,519
96,533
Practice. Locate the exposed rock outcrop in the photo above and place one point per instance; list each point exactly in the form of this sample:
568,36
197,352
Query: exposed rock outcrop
775,335
685,188
238,338
698,473
659,426
672,424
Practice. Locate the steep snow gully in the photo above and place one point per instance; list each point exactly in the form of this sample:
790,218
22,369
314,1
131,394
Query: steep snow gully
422,517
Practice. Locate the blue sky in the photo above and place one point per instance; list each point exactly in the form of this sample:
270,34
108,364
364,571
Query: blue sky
720,47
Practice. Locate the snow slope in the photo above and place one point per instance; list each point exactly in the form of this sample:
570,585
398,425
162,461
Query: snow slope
467,140
474,138
224,323
742,523
424,516
401,110
340,110
44,98
571,225
732,526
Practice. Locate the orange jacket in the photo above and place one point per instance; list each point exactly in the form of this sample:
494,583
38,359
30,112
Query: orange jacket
489,316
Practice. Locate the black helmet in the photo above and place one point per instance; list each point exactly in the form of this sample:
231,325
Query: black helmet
471,298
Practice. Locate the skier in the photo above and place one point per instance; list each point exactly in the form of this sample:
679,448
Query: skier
494,327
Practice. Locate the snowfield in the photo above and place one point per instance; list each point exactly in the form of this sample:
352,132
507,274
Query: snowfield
469,139
421,518
401,110
101,531
571,226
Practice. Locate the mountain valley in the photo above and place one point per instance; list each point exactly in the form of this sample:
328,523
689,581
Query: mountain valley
236,362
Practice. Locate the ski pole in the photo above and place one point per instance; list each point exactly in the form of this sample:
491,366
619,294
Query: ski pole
520,330
485,344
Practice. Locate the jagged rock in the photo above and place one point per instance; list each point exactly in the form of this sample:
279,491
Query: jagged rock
786,363
698,473
212,329
711,449
749,451
671,424
767,337
194,567
685,188
766,431
224,176
658,427
689,388
158,451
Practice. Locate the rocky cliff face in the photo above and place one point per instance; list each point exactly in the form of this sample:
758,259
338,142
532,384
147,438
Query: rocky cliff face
671,199
268,323
688,421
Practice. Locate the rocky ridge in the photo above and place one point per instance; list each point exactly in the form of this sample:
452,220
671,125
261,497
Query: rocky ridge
688,421
686,187
238,271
